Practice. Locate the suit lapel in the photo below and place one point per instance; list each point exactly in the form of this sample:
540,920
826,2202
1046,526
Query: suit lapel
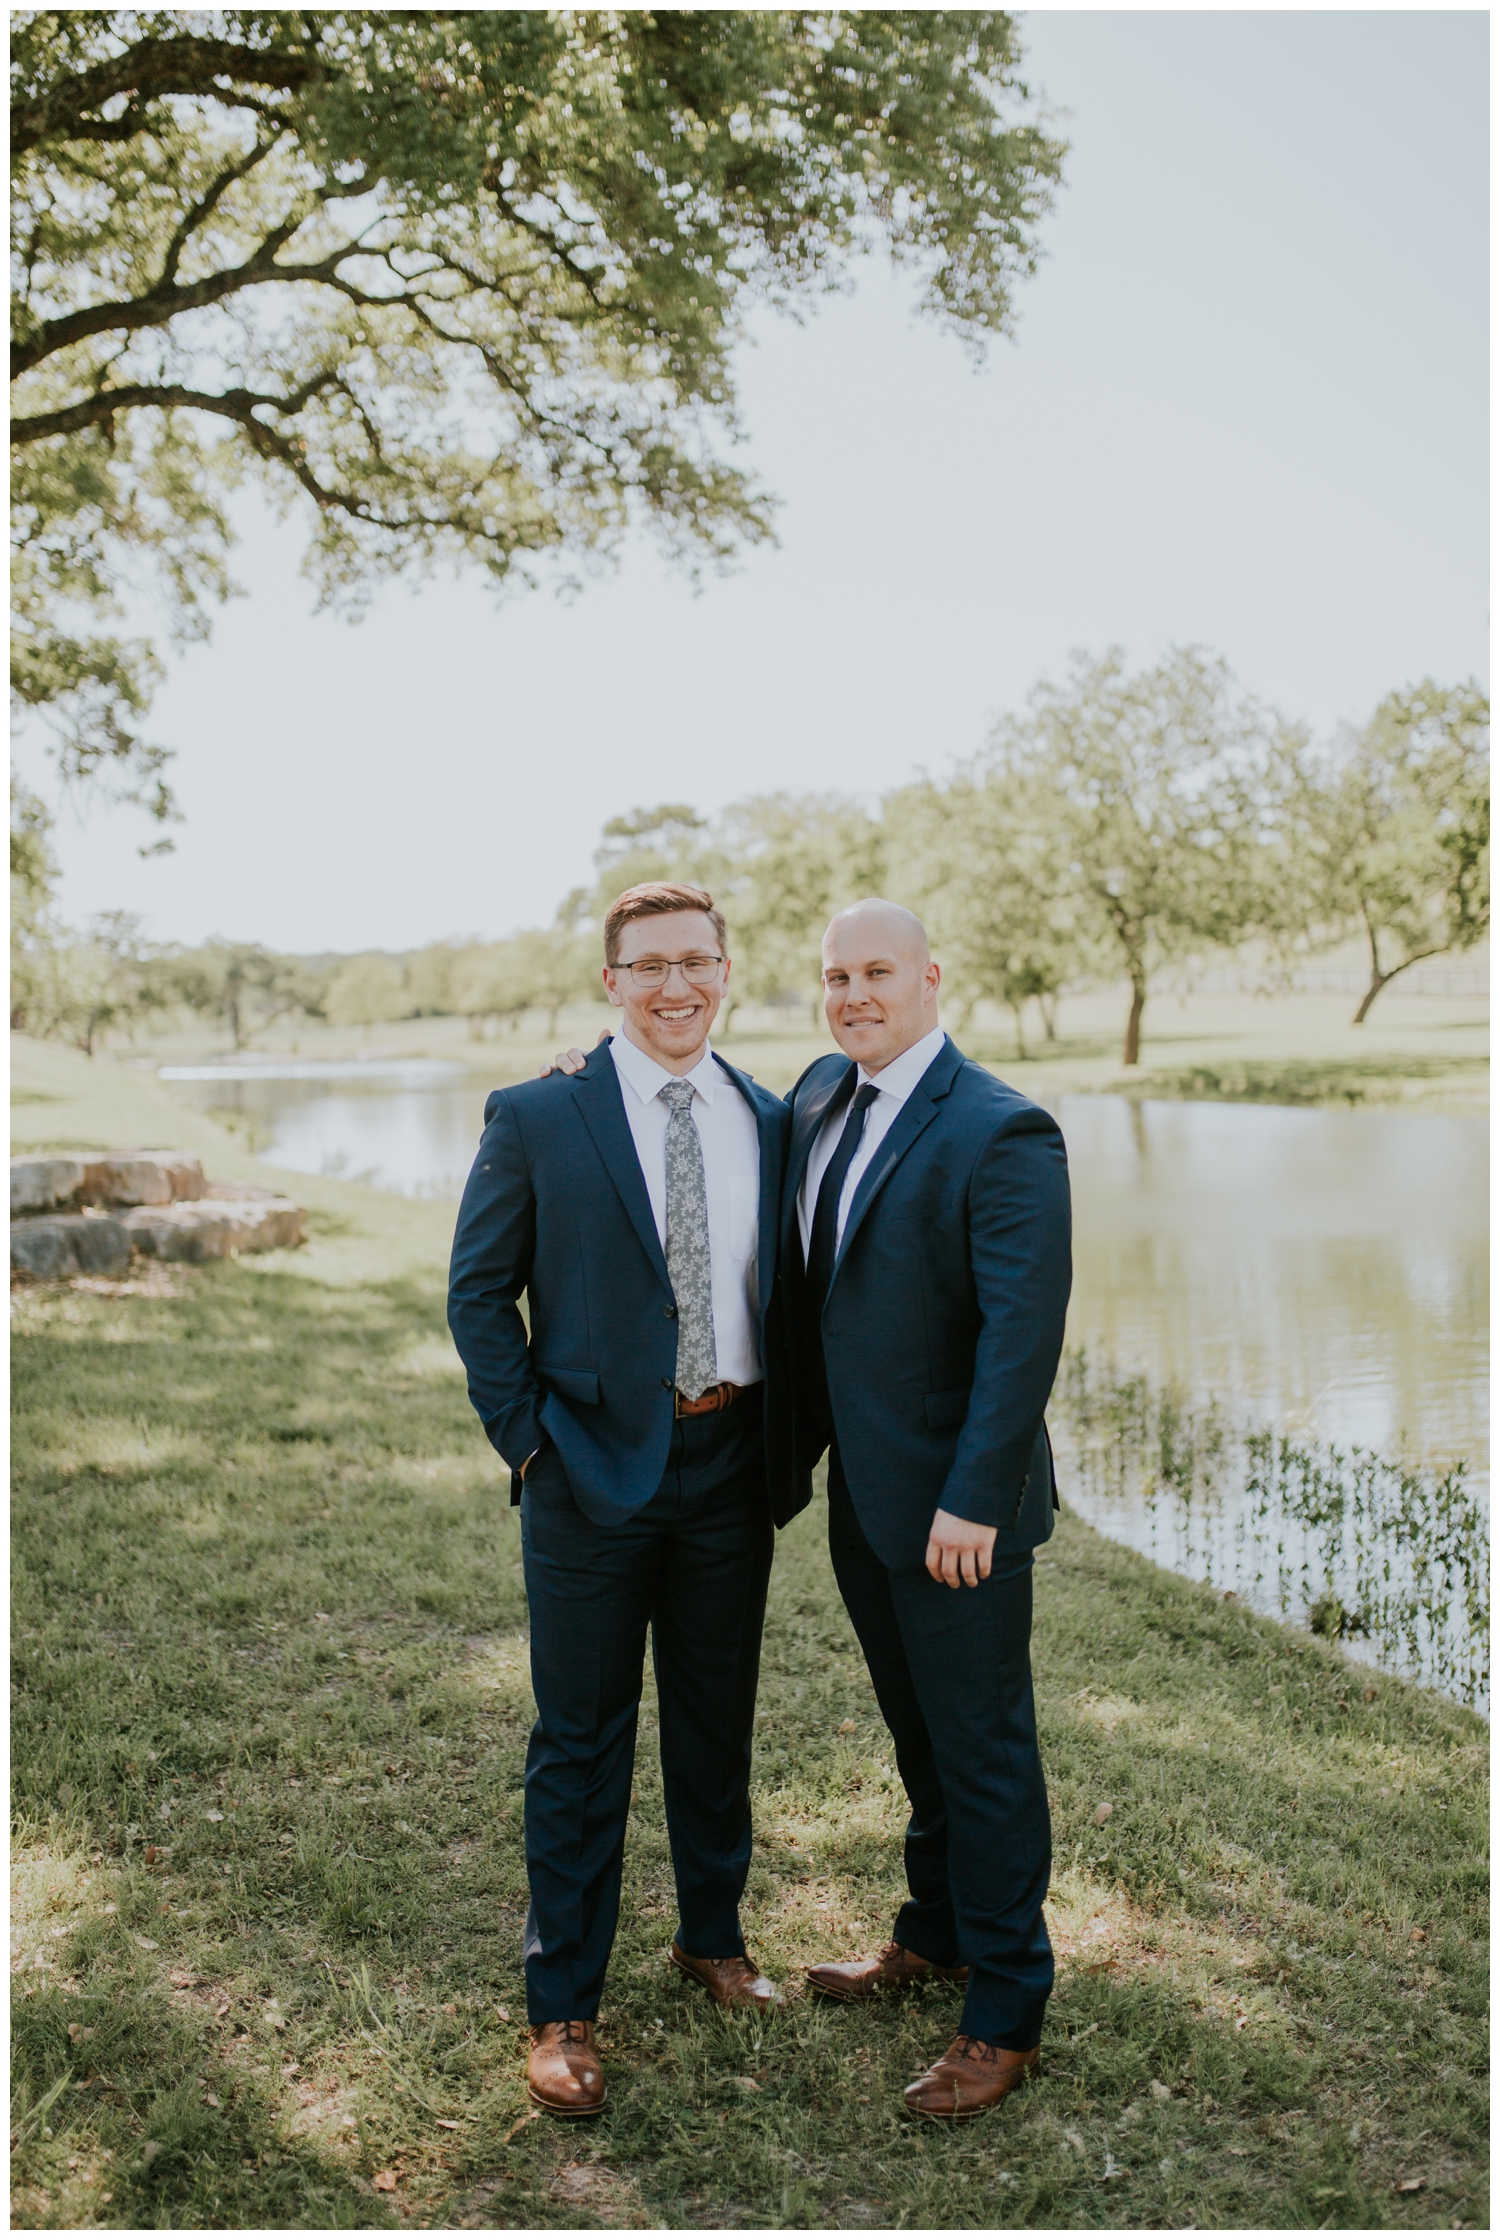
601,1105
811,1111
770,1180
917,1114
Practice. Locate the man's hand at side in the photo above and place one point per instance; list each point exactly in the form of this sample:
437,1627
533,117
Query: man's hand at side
958,1553
572,1061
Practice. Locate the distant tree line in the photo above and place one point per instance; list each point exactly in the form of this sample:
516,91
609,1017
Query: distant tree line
1120,823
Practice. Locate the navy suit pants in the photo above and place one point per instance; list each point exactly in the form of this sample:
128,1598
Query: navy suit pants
691,1566
952,1674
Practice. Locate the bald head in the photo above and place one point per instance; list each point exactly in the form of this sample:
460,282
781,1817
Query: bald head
880,984
889,922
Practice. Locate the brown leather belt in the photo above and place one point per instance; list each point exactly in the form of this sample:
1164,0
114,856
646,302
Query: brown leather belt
708,1403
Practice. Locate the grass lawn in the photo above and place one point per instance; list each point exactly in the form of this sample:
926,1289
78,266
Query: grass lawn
269,1712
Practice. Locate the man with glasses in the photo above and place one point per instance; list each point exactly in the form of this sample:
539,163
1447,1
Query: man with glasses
648,1418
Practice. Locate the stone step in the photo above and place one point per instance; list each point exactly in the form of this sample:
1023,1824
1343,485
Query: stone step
104,1178
214,1227
56,1246
37,1185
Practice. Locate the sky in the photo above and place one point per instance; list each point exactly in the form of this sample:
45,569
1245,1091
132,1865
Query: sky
1245,407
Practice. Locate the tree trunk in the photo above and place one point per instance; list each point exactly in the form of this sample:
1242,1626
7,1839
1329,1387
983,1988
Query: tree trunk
1047,1005
1132,1055
1377,982
1015,1012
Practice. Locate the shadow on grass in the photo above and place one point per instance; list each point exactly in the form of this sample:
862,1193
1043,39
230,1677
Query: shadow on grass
271,1716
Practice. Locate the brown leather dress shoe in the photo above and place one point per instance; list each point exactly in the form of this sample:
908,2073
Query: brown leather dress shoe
730,1983
971,2077
895,1970
562,2070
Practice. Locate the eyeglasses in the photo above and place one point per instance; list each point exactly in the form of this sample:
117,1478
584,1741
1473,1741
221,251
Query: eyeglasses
654,972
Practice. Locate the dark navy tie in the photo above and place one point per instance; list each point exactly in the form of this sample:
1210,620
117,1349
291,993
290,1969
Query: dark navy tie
822,1248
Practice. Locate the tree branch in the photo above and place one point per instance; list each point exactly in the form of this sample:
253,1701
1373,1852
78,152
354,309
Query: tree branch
147,71
164,304
240,406
194,217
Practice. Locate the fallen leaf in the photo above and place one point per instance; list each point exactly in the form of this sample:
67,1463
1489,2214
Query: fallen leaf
66,1792
1242,2021
847,1726
1419,1936
211,2100
747,2084
1102,1813
111,1909
213,1815
183,1978
147,1944
1369,1695
385,2181
1160,2091
451,2007
1410,2185
222,2008
504,2013
1240,2151
516,2129
446,2123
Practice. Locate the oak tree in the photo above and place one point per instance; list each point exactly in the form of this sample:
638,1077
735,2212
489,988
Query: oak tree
465,283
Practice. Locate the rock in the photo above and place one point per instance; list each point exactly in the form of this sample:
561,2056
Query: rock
212,1228
36,1185
142,1178
60,1245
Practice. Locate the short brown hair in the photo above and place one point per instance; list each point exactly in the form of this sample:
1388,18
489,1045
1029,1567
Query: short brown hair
655,900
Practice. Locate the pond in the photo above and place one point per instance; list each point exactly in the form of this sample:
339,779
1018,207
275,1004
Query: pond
1321,1274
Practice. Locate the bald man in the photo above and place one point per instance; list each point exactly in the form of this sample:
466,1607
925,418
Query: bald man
926,1255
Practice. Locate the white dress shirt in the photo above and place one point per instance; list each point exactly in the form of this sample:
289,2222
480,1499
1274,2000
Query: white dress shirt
731,1169
895,1084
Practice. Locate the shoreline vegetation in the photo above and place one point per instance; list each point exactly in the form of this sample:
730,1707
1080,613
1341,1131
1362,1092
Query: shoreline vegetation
269,1725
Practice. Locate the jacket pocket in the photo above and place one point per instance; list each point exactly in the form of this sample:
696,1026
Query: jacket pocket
574,1384
946,1409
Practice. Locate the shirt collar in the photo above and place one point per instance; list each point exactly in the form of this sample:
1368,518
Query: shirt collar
648,1079
901,1076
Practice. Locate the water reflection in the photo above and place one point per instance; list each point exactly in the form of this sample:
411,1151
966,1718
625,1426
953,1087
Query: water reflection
1322,1270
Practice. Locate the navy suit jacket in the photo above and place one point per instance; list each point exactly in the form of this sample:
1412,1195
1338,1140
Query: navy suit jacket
943,1325
556,1206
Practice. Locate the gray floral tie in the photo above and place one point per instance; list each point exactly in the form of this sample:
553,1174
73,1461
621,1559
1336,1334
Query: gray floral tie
688,1262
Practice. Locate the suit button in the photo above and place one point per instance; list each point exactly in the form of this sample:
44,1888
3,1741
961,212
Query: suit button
666,1384
670,1313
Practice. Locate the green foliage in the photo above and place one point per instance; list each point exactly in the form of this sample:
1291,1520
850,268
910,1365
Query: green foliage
247,987
987,861
1154,791
363,990
1393,831
264,1570
539,970
467,280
